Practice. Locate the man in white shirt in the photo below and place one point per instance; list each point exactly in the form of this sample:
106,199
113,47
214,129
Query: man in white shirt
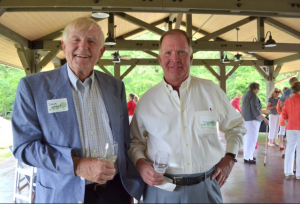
183,123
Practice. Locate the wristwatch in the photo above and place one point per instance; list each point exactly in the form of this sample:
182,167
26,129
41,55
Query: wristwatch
232,155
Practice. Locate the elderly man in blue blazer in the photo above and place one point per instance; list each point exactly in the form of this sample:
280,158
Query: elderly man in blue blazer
63,119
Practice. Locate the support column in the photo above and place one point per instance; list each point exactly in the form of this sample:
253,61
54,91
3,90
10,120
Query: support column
222,74
270,83
117,71
189,25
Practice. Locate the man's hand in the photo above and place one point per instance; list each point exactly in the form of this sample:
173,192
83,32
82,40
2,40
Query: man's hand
94,169
223,169
149,175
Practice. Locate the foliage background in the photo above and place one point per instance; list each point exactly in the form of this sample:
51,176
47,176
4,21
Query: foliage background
141,78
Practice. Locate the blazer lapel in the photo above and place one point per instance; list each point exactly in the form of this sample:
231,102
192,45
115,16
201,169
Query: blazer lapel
61,88
111,102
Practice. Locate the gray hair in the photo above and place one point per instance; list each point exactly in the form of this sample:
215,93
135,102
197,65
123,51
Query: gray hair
83,23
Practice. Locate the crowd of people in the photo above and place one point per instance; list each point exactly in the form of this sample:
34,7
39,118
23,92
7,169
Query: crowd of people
63,126
282,115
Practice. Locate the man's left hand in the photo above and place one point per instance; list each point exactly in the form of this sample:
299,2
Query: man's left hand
223,169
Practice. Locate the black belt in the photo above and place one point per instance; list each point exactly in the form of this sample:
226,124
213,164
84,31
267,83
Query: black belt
187,181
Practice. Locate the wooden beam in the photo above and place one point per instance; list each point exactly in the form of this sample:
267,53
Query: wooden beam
151,53
196,62
134,32
212,71
283,27
105,70
24,58
127,72
12,36
277,70
276,8
231,71
2,11
178,20
117,71
226,29
287,59
140,23
261,72
260,29
111,24
222,74
189,25
47,59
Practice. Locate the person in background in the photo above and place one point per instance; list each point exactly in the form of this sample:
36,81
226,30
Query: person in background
273,117
136,99
131,106
285,95
235,102
179,115
291,112
253,117
281,123
62,120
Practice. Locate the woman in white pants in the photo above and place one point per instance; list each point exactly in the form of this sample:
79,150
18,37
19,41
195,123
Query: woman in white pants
291,112
273,118
251,112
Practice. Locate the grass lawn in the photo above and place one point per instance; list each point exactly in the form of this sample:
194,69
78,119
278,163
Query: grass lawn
4,153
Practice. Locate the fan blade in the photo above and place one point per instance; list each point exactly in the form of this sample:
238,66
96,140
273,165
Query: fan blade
125,56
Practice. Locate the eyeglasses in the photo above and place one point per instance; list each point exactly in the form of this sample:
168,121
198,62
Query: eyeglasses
276,91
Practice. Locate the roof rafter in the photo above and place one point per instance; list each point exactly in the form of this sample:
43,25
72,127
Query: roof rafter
140,23
227,28
12,36
283,27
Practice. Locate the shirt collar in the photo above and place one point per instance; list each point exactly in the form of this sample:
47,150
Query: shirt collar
74,79
184,85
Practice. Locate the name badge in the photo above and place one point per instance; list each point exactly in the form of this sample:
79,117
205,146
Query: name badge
208,122
57,105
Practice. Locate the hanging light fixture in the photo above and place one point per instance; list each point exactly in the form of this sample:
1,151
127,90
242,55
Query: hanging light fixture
110,40
225,59
270,42
100,15
237,56
254,40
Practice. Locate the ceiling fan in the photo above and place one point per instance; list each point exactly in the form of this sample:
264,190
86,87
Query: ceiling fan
117,57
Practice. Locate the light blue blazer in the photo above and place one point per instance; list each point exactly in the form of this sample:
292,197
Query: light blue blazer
49,140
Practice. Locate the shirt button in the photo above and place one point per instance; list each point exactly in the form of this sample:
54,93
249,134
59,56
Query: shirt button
89,114
184,127
188,163
92,132
187,144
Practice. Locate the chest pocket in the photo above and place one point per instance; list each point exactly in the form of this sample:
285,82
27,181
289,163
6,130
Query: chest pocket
205,123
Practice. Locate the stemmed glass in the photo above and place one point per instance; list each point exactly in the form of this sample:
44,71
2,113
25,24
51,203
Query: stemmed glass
161,162
110,152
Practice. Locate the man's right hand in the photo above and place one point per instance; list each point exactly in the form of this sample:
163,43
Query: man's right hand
149,175
94,169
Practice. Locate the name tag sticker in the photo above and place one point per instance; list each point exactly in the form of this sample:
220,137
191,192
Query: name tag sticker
57,105
208,122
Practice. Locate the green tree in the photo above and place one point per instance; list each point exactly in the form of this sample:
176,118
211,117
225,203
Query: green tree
9,80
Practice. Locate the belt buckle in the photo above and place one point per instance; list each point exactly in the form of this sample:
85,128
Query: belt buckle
176,177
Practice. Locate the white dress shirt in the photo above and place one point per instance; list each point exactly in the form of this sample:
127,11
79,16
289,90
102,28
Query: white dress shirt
185,127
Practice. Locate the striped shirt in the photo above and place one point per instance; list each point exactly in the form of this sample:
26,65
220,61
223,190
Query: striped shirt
92,117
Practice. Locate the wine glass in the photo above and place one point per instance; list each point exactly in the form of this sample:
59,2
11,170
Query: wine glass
110,152
161,162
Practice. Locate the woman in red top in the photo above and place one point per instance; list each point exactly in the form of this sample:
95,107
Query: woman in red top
291,112
131,106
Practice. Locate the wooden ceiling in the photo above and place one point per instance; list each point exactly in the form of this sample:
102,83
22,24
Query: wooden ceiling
34,20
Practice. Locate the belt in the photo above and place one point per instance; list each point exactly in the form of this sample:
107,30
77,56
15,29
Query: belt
187,181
